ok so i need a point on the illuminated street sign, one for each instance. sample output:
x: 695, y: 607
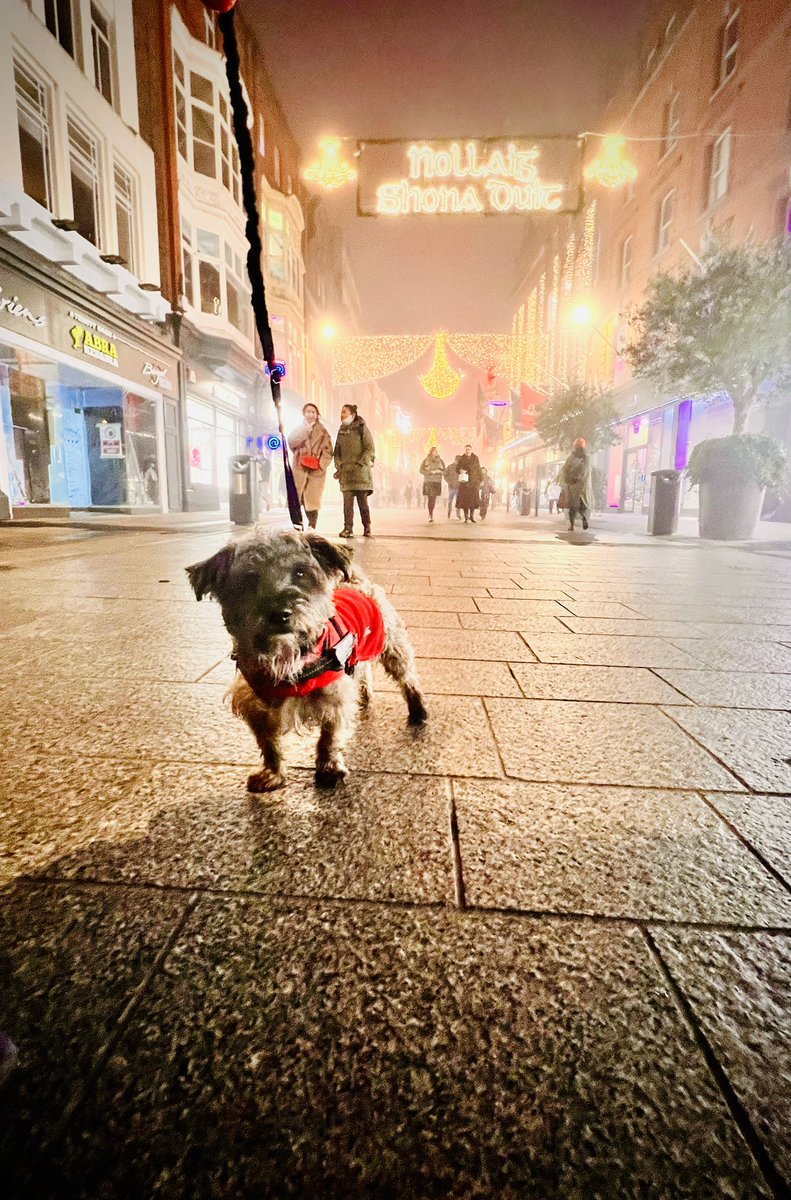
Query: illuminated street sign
x: 505, y: 176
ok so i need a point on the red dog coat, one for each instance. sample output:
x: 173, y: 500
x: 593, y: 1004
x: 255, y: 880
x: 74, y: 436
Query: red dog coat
x: 355, y: 614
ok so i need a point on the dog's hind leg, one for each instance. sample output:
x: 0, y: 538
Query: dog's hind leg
x: 265, y: 723
x: 336, y: 713
x: 398, y: 659
x: 366, y: 677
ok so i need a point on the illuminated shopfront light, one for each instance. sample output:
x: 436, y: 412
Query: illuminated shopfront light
x: 330, y: 170
x: 611, y: 168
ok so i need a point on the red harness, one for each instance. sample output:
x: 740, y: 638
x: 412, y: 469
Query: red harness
x: 356, y: 633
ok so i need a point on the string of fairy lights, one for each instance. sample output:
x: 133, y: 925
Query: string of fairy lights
x: 363, y: 359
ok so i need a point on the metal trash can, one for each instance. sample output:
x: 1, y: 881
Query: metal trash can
x: 242, y: 489
x: 527, y: 502
x: 664, y: 502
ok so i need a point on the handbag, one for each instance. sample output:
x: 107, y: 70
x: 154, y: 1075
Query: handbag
x: 309, y: 461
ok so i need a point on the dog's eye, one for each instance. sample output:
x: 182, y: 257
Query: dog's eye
x: 299, y: 573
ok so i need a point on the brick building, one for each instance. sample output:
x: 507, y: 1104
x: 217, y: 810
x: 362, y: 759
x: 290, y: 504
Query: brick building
x: 707, y: 109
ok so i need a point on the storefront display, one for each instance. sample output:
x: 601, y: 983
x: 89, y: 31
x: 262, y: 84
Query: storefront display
x: 80, y: 402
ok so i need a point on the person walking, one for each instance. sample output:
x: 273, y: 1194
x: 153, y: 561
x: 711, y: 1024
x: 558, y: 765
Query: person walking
x: 469, y: 468
x: 452, y: 480
x: 409, y: 495
x: 354, y: 455
x: 312, y: 448
x: 432, y: 469
x: 487, y: 490
x: 552, y: 493
x: 575, y: 477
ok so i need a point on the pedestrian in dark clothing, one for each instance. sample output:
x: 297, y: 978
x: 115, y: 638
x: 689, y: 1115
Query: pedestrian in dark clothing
x: 354, y: 456
x: 487, y: 490
x: 432, y: 469
x: 469, y: 468
x: 409, y: 495
x: 575, y: 476
x: 452, y: 480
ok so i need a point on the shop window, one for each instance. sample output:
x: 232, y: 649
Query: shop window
x: 728, y: 49
x: 181, y: 107
x: 664, y: 224
x: 59, y: 19
x: 720, y: 168
x: 210, y: 289
x: 276, y: 257
x: 670, y: 124
x: 102, y: 47
x: 84, y: 165
x: 32, y: 101
x: 126, y: 215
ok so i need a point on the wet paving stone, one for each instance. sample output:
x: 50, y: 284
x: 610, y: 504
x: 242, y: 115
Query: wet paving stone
x: 129, y: 658
x: 451, y: 604
x: 599, y: 609
x: 628, y: 685
x: 510, y: 623
x: 457, y: 677
x: 521, y: 608
x: 569, y: 742
x: 738, y: 986
x: 457, y: 739
x: 50, y: 806
x: 477, y: 645
x: 755, y: 745
x: 619, y: 852
x: 309, y: 1052
x: 737, y: 655
x: 608, y: 651
x: 375, y: 838
x: 765, y: 821
x: 70, y: 960
x: 635, y: 627
x: 739, y: 689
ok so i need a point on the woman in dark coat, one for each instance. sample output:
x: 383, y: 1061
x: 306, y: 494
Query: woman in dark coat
x: 469, y: 468
x: 432, y: 469
x: 575, y: 477
x: 355, y: 454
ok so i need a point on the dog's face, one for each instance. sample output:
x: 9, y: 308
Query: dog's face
x: 275, y: 591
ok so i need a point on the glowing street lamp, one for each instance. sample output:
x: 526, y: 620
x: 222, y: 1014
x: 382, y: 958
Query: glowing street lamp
x: 330, y: 171
x: 611, y: 169
x: 582, y: 314
x: 328, y: 331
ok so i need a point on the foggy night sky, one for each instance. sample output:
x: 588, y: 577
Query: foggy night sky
x: 439, y: 68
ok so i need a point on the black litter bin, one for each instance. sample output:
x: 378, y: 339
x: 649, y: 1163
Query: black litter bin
x: 664, y: 503
x: 242, y: 489
x: 527, y: 502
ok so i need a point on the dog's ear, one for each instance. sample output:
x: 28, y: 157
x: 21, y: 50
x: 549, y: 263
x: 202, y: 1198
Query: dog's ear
x: 333, y: 560
x: 207, y: 578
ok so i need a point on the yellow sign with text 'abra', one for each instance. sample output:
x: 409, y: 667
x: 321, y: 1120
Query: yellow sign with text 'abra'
x: 94, y: 345
x: 496, y: 176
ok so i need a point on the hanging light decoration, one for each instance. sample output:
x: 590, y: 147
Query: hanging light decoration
x: 611, y: 168
x: 330, y: 171
x: 441, y: 381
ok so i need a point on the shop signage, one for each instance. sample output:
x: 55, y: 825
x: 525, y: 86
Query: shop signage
x: 110, y: 440
x: 94, y: 345
x: 15, y: 308
x: 158, y: 376
x: 507, y: 176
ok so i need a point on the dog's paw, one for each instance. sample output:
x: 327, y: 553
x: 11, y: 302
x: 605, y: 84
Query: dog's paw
x: 329, y: 775
x: 265, y: 781
x: 418, y: 713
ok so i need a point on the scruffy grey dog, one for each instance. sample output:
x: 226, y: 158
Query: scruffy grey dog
x: 282, y: 595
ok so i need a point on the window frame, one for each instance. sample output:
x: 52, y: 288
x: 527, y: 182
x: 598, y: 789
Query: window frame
x: 720, y: 166
x: 52, y: 20
x: 41, y: 117
x: 663, y: 241
x: 128, y: 204
x: 106, y: 37
x: 728, y: 54
x: 93, y: 163
x: 670, y: 124
x: 626, y: 260
x: 226, y: 165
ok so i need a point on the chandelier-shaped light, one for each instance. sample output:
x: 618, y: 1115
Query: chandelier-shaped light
x: 611, y: 168
x: 441, y: 381
x: 330, y: 171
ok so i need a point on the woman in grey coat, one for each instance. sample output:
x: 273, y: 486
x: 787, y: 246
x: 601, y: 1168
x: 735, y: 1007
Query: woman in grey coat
x: 355, y: 455
x: 312, y: 447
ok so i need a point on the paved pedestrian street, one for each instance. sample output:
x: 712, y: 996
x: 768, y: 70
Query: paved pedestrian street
x: 539, y: 949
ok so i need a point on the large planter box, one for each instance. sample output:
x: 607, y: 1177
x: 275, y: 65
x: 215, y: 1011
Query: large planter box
x: 729, y: 509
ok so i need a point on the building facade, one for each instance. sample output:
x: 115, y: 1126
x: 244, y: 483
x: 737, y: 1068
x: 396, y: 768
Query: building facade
x: 88, y: 384
x: 707, y: 109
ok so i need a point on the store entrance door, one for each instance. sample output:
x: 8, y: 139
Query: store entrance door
x: 634, y: 479
x: 31, y: 434
x: 172, y: 456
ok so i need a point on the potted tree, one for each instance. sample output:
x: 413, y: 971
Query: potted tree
x: 724, y: 327
x: 581, y: 411
x: 733, y: 474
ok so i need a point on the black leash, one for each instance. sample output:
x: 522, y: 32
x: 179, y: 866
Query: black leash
x: 244, y: 142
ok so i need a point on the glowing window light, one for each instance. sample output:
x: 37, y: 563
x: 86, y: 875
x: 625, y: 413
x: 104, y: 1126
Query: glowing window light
x: 611, y: 169
x: 330, y: 171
